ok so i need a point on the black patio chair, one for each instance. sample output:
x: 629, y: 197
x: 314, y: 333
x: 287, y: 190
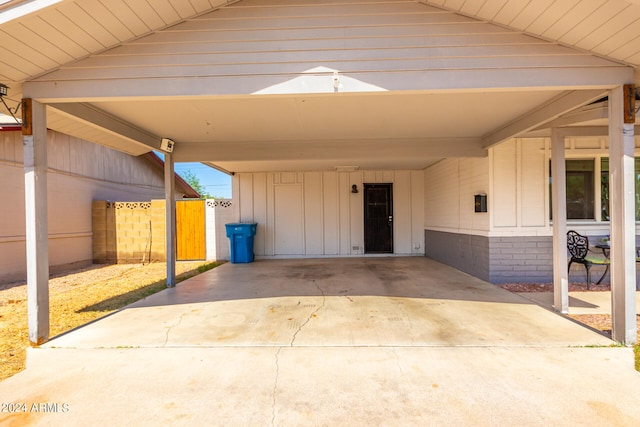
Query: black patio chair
x: 578, y: 246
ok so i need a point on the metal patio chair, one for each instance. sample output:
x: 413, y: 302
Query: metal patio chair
x: 578, y: 246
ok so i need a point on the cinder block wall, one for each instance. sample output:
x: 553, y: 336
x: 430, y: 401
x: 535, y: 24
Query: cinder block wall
x: 123, y: 232
x: 158, y: 230
x: 465, y: 252
x: 521, y: 259
x: 517, y: 259
x: 135, y: 232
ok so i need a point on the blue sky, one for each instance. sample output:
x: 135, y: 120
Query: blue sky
x: 216, y: 183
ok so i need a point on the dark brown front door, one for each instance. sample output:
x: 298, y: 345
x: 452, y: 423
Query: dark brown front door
x: 378, y: 218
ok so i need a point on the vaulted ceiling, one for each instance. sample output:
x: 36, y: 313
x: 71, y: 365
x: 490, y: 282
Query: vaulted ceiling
x: 401, y: 69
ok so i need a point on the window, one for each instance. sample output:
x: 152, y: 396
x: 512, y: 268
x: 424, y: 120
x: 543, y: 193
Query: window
x: 582, y: 182
x: 604, y: 185
x: 580, y: 189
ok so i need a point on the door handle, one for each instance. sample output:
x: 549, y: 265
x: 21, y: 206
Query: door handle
x: 390, y: 218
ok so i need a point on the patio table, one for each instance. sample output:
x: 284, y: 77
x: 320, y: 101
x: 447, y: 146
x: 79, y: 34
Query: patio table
x: 606, y: 251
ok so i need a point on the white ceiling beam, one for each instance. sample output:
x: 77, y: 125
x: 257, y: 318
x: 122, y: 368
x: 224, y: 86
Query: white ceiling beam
x: 585, y: 114
x: 327, y: 150
x: 94, y: 117
x: 575, y: 132
x: 545, y: 113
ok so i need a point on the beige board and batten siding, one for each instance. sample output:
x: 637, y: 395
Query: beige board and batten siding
x: 449, y: 189
x: 316, y: 214
x: 520, y: 185
x: 79, y: 172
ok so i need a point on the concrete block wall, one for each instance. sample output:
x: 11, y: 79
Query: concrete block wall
x: 521, y: 259
x: 468, y: 253
x: 217, y: 214
x: 158, y: 230
x: 494, y: 259
x: 514, y: 259
x: 135, y: 232
x: 122, y: 232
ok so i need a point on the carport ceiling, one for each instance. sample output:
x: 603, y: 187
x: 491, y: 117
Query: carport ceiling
x: 229, y: 129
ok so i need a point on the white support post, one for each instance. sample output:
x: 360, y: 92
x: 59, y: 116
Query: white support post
x: 559, y: 203
x: 37, y: 233
x: 622, y: 206
x: 170, y: 215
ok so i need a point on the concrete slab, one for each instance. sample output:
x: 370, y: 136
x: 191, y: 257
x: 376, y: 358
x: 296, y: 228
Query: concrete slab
x: 579, y: 302
x: 337, y: 302
x: 327, y: 386
x: 360, y: 341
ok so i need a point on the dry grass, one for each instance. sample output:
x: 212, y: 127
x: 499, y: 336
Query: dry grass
x: 77, y: 298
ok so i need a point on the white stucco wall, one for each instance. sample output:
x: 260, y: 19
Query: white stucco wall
x: 315, y: 213
x: 449, y: 189
x: 79, y: 172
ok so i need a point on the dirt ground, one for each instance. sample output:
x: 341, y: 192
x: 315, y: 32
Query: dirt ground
x: 76, y: 298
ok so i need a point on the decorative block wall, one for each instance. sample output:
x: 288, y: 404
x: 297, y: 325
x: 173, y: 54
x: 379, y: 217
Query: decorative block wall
x: 123, y: 232
x: 135, y: 232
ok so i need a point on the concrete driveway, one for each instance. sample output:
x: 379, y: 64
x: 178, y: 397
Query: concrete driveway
x: 357, y: 341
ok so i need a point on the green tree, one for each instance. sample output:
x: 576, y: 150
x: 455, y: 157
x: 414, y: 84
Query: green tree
x: 194, y: 182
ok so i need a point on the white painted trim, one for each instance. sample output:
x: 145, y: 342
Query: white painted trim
x: 36, y: 212
x: 559, y: 203
x: 622, y: 207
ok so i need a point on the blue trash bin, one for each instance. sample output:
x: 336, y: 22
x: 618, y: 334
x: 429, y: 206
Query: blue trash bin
x: 241, y: 238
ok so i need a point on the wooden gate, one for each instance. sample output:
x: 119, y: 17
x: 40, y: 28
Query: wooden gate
x: 190, y: 230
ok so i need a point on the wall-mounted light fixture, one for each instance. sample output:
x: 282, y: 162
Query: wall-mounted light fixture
x: 4, y: 89
x: 354, y: 189
x: 480, y: 202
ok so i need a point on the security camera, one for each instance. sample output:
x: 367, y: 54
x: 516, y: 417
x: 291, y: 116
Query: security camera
x: 167, y: 145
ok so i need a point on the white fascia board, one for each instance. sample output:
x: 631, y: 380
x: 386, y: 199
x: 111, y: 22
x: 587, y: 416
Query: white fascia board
x: 24, y: 9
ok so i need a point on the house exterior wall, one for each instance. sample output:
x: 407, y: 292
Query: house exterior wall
x: 79, y: 172
x: 454, y: 233
x: 315, y: 213
x: 513, y: 241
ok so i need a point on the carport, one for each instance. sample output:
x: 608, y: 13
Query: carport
x: 251, y: 86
